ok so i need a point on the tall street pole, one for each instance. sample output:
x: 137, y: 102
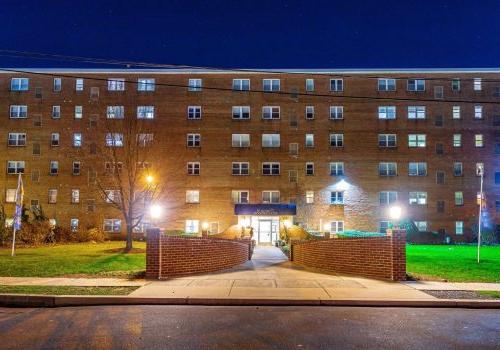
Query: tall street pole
x: 481, y: 171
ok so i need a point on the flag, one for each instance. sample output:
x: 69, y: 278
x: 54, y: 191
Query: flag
x: 19, y: 203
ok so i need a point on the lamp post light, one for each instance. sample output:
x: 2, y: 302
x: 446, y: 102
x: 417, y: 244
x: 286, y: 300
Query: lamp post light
x: 480, y: 172
x: 150, y: 179
x: 204, y: 229
x: 395, y: 214
x: 155, y: 212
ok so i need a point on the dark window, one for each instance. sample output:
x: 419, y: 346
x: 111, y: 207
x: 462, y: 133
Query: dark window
x: 36, y: 149
x: 439, y: 148
x: 294, y: 121
x: 497, y: 206
x: 440, y: 206
x: 439, y: 120
x: 37, y: 120
x: 497, y: 147
x: 38, y: 92
x: 496, y: 120
x: 440, y: 177
x: 497, y: 177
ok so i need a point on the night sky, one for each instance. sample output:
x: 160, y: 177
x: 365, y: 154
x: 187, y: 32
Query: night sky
x: 257, y: 34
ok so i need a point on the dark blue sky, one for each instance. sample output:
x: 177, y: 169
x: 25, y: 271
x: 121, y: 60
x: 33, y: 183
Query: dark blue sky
x: 258, y: 34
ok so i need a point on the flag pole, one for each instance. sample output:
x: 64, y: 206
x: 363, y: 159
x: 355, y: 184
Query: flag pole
x: 18, y: 213
x: 13, y: 242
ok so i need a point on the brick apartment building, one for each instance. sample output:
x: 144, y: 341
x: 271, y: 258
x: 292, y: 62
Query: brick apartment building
x: 330, y: 150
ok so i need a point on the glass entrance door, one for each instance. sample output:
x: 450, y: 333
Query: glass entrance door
x: 265, y: 230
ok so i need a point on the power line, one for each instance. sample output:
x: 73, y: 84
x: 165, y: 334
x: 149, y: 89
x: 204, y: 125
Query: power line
x: 57, y: 57
x: 280, y: 93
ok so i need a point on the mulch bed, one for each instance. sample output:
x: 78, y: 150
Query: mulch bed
x: 457, y: 294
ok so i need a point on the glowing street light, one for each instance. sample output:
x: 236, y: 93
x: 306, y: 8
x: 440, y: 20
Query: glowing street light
x: 395, y: 212
x: 204, y: 226
x: 150, y: 179
x: 155, y: 211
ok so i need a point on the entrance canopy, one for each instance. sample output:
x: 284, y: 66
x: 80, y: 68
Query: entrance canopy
x: 265, y: 209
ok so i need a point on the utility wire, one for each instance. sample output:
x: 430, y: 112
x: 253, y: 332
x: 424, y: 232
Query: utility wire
x: 291, y: 94
x: 128, y: 64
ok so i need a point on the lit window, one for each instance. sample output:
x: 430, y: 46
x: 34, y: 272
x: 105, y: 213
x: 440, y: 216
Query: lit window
x: 115, y: 112
x: 271, y: 112
x: 419, y: 198
x: 112, y: 225
x: 479, y: 169
x: 271, y: 84
x: 10, y: 195
x: 417, y: 169
x: 456, y: 112
x: 192, y: 226
x: 15, y: 167
x: 387, y: 140
x: 192, y: 196
x: 388, y: 197
x: 54, y: 167
x: 336, y: 84
x: 241, y: 140
x: 145, y: 112
x: 478, y: 112
x: 309, y: 140
x: 416, y: 85
x: 57, y: 84
x: 241, y: 84
x: 270, y: 168
x: 309, y: 112
x: 336, y: 168
x: 240, y: 197
x: 271, y: 140
x: 459, y: 198
x: 145, y: 84
x: 270, y: 197
x: 386, y: 84
x: 336, y: 227
x: 241, y: 112
x: 75, y: 196
x: 457, y: 140
x: 309, y: 85
x: 459, y: 227
x: 74, y: 225
x: 336, y: 140
x: 386, y: 112
x: 195, y: 84
x: 387, y: 169
x: 477, y: 84
x: 337, y: 197
x: 240, y: 168
x: 77, y: 140
x: 19, y: 84
x: 194, y: 112
x: 112, y: 196
x: 79, y: 84
x: 116, y: 84
x: 416, y: 112
x: 309, y: 197
x: 421, y: 225
x: 336, y: 112
x: 193, y: 140
x: 478, y: 140
x: 78, y: 112
x: 56, y: 112
x: 17, y: 139
x: 416, y: 140
x: 18, y: 111
x: 114, y: 139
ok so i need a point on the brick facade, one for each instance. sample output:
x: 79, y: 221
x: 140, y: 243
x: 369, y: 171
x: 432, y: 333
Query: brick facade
x: 168, y: 256
x: 374, y: 257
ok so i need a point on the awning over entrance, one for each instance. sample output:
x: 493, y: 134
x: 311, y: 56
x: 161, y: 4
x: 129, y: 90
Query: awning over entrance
x: 265, y: 209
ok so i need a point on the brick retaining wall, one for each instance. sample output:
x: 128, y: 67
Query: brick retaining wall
x: 169, y: 256
x: 374, y: 257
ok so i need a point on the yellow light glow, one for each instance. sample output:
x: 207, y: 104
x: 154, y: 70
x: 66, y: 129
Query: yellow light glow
x: 155, y: 211
x: 287, y: 223
x: 149, y: 179
x: 204, y: 226
x: 326, y: 227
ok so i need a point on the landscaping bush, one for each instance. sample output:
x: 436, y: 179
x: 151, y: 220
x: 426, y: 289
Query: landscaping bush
x: 95, y: 234
x: 63, y: 235
x: 34, y: 233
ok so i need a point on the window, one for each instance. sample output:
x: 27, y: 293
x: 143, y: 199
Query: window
x: 309, y: 197
x: 241, y: 112
x: 416, y: 140
x: 145, y: 84
x: 241, y: 140
x: 336, y: 84
x: 418, y: 198
x: 309, y: 112
x: 192, y: 196
x: 270, y: 168
x: 56, y: 112
x: 386, y: 84
x: 336, y: 168
x: 240, y: 168
x: 240, y: 197
x: 79, y: 84
x: 457, y: 169
x: 417, y: 169
x: 192, y: 226
x: 115, y: 112
x: 269, y: 197
x: 309, y: 168
x: 383, y: 226
x: 145, y: 140
x: 15, y: 167
x: 479, y: 169
x: 387, y: 169
x: 456, y: 112
x: 52, y: 196
x: 111, y: 196
x: 57, y: 84
x: 455, y: 84
x: 293, y: 149
x: 309, y: 85
x: 478, y: 112
x: 241, y: 84
x: 416, y: 85
x: 77, y: 140
x: 73, y: 225
x: 416, y: 112
x: 37, y: 120
x: 337, y: 140
x: 194, y: 112
x: 478, y: 140
x: 477, y: 84
x: 336, y: 227
x: 438, y: 92
x: 54, y: 139
x: 18, y: 111
x: 78, y: 112
x: 457, y: 140
x: 421, y: 225
x: 480, y: 199
x: 439, y: 148
x: 36, y: 149
x: 113, y: 167
x: 439, y: 120
x: 76, y: 168
x: 337, y: 197
x: 387, y: 140
x: 388, y: 197
x: 459, y: 198
x: 19, y: 84
x: 293, y: 176
x: 193, y: 140
x: 112, y: 225
x: 116, y: 84
x: 54, y: 167
x: 193, y: 168
x: 270, y: 140
x: 387, y: 112
x: 114, y: 139
x: 459, y: 227
x: 309, y: 140
x: 440, y: 177
x: 145, y: 112
x: 336, y: 112
x: 271, y: 84
x: 497, y: 177
x: 270, y: 112
x: 75, y: 196
x: 17, y: 139
x: 10, y: 195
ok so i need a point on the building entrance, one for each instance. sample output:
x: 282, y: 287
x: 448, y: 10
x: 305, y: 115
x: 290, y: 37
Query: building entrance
x: 265, y: 228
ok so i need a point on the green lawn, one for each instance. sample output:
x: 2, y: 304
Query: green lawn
x: 66, y: 290
x: 73, y: 260
x: 454, y: 263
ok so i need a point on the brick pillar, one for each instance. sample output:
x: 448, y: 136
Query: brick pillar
x: 398, y: 254
x: 153, y: 248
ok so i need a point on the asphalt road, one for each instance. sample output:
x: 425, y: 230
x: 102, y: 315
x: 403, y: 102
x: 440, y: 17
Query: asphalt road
x: 218, y: 327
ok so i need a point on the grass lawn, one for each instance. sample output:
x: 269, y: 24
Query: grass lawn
x: 454, y: 263
x: 66, y: 290
x: 103, y: 259
x: 489, y: 293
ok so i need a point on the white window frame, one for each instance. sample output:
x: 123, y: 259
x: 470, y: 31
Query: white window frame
x: 240, y: 168
x: 146, y: 84
x: 18, y: 112
x: 336, y: 112
x: 337, y: 140
x: 116, y: 84
x: 146, y: 112
x: 459, y: 227
x: 337, y: 197
x: 385, y: 167
x: 384, y: 84
x: 457, y: 140
x: 271, y: 140
x: 274, y: 197
x: 309, y: 141
x: 16, y: 139
x: 192, y: 226
x: 417, y: 198
x: 309, y: 112
x: 309, y: 166
x: 270, y: 85
x: 195, y: 84
x: 240, y: 140
x: 336, y: 226
x: 77, y: 139
x: 387, y: 197
x: 78, y: 112
x: 309, y: 197
x: 240, y: 196
x: 478, y: 86
x: 337, y: 84
x: 193, y: 196
x: 56, y: 112
x: 112, y: 225
x: 421, y: 168
x: 271, y: 168
x: 79, y: 84
x: 19, y: 84
x: 115, y: 112
x: 271, y: 112
x: 479, y: 140
x: 417, y: 140
x: 416, y: 84
x: 417, y: 112
x: 337, y: 169
x: 193, y: 168
x: 194, y: 112
x: 456, y: 114
x: 478, y: 112
x: 193, y: 140
x: 241, y: 112
x: 18, y: 166
x: 238, y: 84
x: 114, y: 139
x: 387, y: 140
x: 309, y: 85
x: 387, y: 112
x: 75, y: 196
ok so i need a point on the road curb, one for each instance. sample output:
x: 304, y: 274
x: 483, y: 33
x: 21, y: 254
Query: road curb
x: 25, y: 300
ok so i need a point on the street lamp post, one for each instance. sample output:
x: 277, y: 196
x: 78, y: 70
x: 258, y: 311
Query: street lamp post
x: 480, y: 172
x: 395, y: 214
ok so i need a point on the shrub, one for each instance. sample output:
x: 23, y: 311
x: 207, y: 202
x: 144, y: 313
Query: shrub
x: 34, y: 233
x: 63, y: 234
x: 95, y: 234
